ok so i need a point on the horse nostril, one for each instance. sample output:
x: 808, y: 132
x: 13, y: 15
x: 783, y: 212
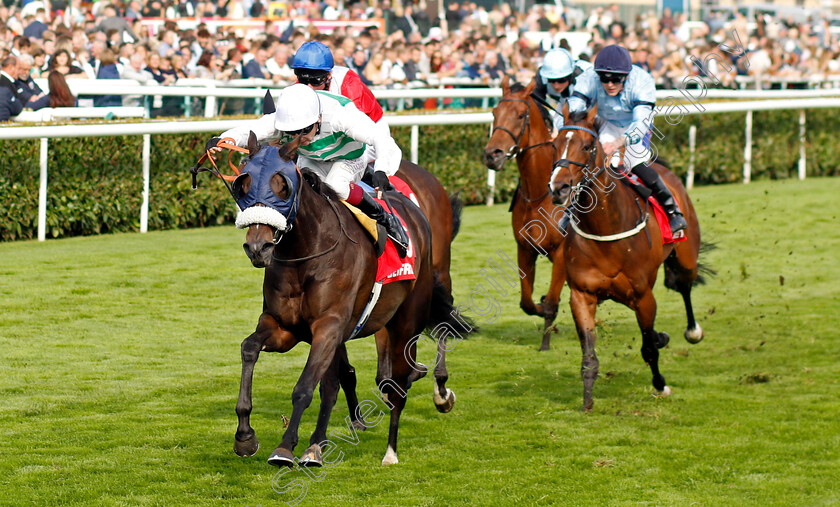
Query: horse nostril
x: 248, y: 252
x: 266, y: 247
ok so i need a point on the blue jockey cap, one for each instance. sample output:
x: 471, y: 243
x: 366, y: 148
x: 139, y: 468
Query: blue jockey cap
x: 313, y: 55
x: 261, y: 168
x: 614, y: 59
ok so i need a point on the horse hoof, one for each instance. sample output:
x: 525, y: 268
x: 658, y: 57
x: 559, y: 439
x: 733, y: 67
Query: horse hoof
x: 444, y: 405
x: 664, y: 338
x: 390, y: 457
x: 666, y: 391
x: 246, y: 448
x: 359, y: 424
x: 312, y: 457
x: 695, y: 335
x: 282, y: 458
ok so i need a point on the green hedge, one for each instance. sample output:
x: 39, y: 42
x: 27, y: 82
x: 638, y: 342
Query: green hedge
x: 95, y: 184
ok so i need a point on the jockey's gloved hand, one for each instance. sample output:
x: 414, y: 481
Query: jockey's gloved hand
x: 380, y: 181
x: 212, y: 143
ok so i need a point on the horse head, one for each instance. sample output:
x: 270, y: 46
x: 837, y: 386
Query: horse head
x: 510, y: 121
x: 267, y: 194
x: 580, y: 155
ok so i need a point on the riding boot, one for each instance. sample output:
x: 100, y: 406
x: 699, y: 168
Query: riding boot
x: 654, y: 182
x: 391, y: 223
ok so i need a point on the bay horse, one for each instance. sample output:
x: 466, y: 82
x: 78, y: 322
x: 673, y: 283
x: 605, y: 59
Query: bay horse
x: 319, y: 274
x: 521, y: 129
x: 607, y: 254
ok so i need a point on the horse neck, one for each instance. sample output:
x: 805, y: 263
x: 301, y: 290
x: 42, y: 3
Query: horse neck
x: 614, y: 210
x: 315, y: 228
x: 536, y: 163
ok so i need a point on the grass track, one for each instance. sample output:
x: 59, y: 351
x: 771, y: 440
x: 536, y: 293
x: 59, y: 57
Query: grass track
x: 120, y: 361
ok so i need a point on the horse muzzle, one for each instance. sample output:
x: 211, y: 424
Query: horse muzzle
x: 560, y: 194
x: 259, y: 252
x: 494, y: 158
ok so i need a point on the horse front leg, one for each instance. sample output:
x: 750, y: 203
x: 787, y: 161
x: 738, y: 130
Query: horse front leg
x: 651, y: 340
x: 329, y: 393
x: 583, y: 307
x: 552, y: 298
x: 526, y: 258
x: 268, y: 334
x: 326, y: 335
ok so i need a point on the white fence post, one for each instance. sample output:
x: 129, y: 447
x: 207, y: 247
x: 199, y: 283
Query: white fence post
x: 42, y: 192
x: 692, y: 141
x: 748, y: 148
x: 491, y: 179
x: 144, y: 208
x: 415, y: 144
x: 801, y: 144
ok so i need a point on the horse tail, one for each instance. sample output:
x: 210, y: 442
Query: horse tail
x: 703, y: 269
x: 457, y: 207
x: 444, y: 312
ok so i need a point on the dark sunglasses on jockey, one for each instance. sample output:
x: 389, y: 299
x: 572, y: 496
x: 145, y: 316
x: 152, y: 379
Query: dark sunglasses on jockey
x: 312, y: 79
x: 608, y: 77
x: 305, y: 130
x: 560, y: 80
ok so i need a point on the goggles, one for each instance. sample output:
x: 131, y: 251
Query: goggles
x: 305, y: 130
x: 608, y: 77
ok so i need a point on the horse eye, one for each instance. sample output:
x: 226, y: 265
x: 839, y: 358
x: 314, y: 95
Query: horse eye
x: 587, y: 147
x: 522, y: 116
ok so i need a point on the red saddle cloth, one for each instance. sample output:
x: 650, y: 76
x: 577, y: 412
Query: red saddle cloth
x: 658, y: 212
x: 391, y: 267
x: 664, y: 225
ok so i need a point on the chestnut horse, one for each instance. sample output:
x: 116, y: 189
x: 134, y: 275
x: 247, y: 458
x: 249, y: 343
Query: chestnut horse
x: 615, y: 249
x: 318, y: 249
x: 521, y: 128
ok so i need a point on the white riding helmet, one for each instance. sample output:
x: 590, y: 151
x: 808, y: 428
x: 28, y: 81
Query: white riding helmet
x: 298, y: 107
x: 557, y: 64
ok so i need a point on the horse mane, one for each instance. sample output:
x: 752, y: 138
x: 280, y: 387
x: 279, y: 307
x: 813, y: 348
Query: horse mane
x: 546, y: 116
x: 318, y: 185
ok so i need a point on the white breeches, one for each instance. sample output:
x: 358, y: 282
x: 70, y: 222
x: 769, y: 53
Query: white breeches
x: 338, y: 174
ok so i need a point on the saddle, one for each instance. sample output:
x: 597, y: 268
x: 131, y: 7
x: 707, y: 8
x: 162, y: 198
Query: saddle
x: 634, y: 182
x: 390, y: 267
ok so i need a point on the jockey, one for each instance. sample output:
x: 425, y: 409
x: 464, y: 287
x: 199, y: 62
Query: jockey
x: 625, y: 95
x: 333, y: 135
x: 557, y: 79
x: 314, y: 66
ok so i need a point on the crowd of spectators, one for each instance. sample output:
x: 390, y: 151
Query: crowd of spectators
x: 110, y: 41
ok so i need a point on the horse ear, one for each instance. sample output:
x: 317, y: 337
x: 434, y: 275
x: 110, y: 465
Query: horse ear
x: 253, y: 147
x: 566, y: 113
x: 590, y: 118
x: 531, y: 86
x: 268, y: 103
x: 506, y: 85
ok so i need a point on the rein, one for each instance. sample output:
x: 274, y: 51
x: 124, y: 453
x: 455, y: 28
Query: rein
x: 313, y: 256
x: 586, y: 181
x: 228, y: 144
x: 515, y: 150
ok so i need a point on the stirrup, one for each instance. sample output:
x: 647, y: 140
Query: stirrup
x: 677, y: 223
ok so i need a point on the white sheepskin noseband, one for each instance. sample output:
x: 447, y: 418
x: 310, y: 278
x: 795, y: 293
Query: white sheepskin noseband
x: 261, y: 215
